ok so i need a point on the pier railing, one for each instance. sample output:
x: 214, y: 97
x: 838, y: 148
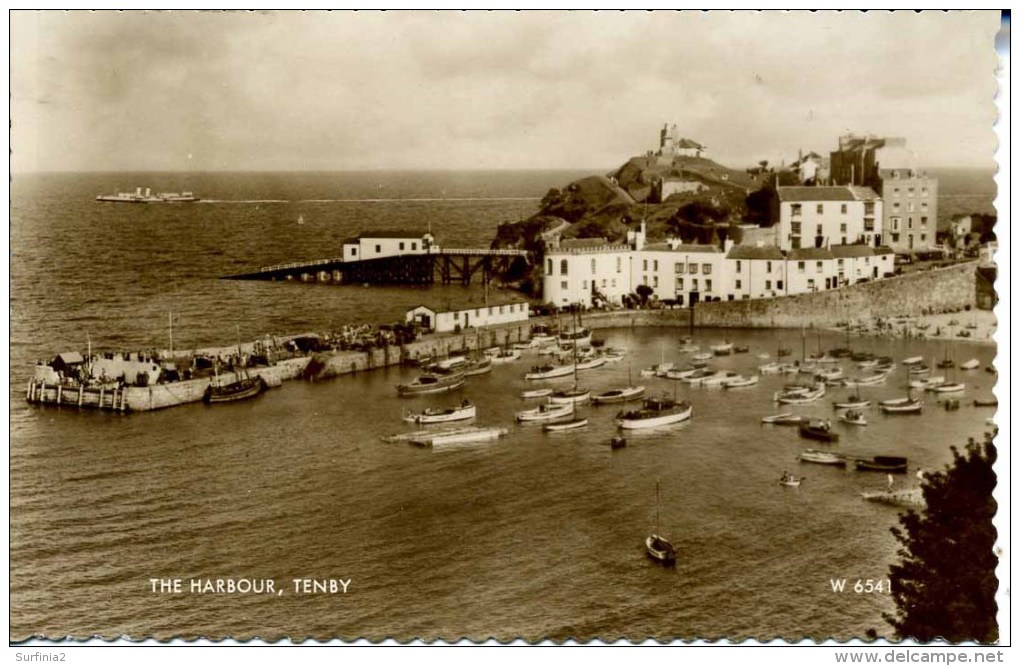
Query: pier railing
x: 461, y: 252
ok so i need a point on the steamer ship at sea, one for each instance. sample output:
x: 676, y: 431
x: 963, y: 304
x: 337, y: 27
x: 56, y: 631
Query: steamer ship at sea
x: 148, y: 197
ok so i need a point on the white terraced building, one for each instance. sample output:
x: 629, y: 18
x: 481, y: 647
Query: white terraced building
x: 825, y: 216
x: 590, y: 272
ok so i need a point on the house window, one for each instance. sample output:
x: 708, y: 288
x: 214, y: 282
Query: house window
x: 842, y: 209
x: 614, y: 282
x: 563, y: 266
x: 910, y: 223
x: 414, y: 246
x: 795, y: 210
x: 584, y: 285
x: 896, y: 190
x: 768, y: 266
x: 680, y: 268
x: 896, y: 205
x: 378, y: 249
x: 795, y: 242
x: 910, y: 191
x: 924, y: 206
x: 738, y: 265
x: 548, y: 266
x: 618, y: 264
x: 768, y: 285
x: 737, y: 284
x: 456, y: 316
x: 869, y: 208
x: 811, y: 285
x: 655, y: 265
x: 655, y: 281
x: 800, y: 266
x: 354, y: 251
x: 680, y: 284
x: 795, y: 228
x: 842, y: 228
x: 818, y: 267
x: 692, y: 269
x: 644, y: 265
x: 593, y: 266
x: 401, y: 246
x: 820, y: 208
x: 923, y: 236
x: 706, y: 269
x: 694, y: 284
x: 563, y: 285
x: 779, y: 284
x: 603, y: 283
x: 869, y: 224
x: 708, y: 285
x: 924, y: 191
x: 818, y: 230
x: 924, y: 221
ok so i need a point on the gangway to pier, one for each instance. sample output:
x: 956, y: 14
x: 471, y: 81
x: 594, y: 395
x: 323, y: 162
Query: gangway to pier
x: 446, y: 266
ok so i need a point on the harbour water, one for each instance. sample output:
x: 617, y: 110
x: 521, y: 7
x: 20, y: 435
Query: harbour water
x: 535, y: 536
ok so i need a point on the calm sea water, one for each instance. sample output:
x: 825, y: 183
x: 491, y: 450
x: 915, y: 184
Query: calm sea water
x: 534, y: 536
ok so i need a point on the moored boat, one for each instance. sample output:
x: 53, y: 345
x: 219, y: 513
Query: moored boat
x: 821, y: 432
x: 505, y: 356
x: 549, y: 371
x: 476, y: 367
x: 887, y: 464
x: 573, y: 424
x: 459, y: 436
x: 432, y: 383
x: 970, y: 365
x: 657, y: 546
x: 536, y: 393
x: 577, y: 338
x: 790, y: 480
x: 786, y: 418
x: 241, y: 389
x: 954, y: 387
x: 462, y: 412
x: 719, y: 378
x: 853, y: 417
x: 545, y: 413
x: 574, y: 396
x: 913, y: 360
x: 926, y: 384
x: 770, y: 368
x: 740, y: 381
x: 802, y: 398
x: 822, y: 458
x: 619, y: 395
x: 901, y: 406
x: 989, y: 402
x: 594, y: 362
x: 653, y: 413
x: 724, y: 348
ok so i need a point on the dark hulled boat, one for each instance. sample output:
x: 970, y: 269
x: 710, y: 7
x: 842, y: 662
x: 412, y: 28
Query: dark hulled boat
x: 242, y: 389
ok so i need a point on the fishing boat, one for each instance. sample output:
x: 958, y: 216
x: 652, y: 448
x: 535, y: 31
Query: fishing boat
x: 458, y: 436
x: 790, y: 480
x: 724, y: 348
x: 545, y: 413
x: 573, y: 396
x: 786, y: 418
x: 954, y: 387
x: 789, y: 368
x: 505, y: 356
x: 657, y: 546
x: 822, y: 458
x: 908, y: 498
x: 829, y: 373
x: 870, y: 363
x: 852, y: 402
x: 536, y: 393
x: 619, y: 395
x: 853, y: 417
x: 241, y: 389
x: 476, y: 367
x: 901, y: 406
x: 740, y: 381
x: 866, y: 380
x: 919, y: 369
x: 741, y: 349
x: 989, y: 402
x: 926, y: 384
x: 577, y: 338
x: 449, y: 363
x: 573, y: 424
x: 887, y: 464
x: 611, y: 355
x: 770, y: 368
x: 654, y: 412
x: 594, y: 362
x: 803, y: 398
x: 549, y: 371
x: 687, y: 346
x: 702, y: 357
x: 434, y: 382
x: 718, y: 378
x: 913, y: 360
x: 820, y: 431
x: 972, y: 364
x: 462, y: 412
x: 678, y: 374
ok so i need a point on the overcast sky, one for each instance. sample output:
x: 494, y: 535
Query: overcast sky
x: 334, y: 91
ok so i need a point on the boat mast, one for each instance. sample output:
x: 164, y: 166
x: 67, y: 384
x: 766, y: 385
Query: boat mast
x: 170, y: 316
x: 656, y: 507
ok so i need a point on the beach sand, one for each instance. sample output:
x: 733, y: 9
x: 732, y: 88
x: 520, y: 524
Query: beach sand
x: 973, y: 326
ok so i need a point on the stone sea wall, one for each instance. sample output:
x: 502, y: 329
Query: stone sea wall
x: 939, y: 290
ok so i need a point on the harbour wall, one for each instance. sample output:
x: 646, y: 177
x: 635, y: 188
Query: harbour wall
x: 938, y: 290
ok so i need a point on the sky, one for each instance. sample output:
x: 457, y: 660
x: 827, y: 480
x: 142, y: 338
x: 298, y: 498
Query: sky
x: 266, y: 90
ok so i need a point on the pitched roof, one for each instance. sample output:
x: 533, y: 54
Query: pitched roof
x: 809, y: 253
x: 842, y: 251
x: 469, y: 303
x: 689, y: 143
x: 394, y: 233
x: 754, y: 252
x: 864, y: 193
x: 808, y: 193
x: 582, y: 243
x: 884, y: 249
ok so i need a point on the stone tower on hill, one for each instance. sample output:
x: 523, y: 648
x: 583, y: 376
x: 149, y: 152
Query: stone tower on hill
x: 671, y: 144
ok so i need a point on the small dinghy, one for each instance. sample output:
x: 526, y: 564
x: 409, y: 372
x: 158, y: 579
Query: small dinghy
x: 619, y: 395
x: 617, y: 442
x: 536, y: 393
x: 901, y: 406
x: 821, y: 432
x: 991, y: 402
x: 466, y: 410
x: 791, y: 481
x: 740, y: 381
x: 972, y: 364
x: 545, y: 413
x: 853, y: 417
x: 566, y: 425
x: 913, y: 360
x: 786, y: 418
x: 822, y: 458
x: 955, y: 387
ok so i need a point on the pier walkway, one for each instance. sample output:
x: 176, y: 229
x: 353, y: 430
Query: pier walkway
x: 447, y: 266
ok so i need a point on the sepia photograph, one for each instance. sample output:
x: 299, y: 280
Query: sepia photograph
x: 532, y: 326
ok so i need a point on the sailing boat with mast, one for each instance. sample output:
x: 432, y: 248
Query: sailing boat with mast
x: 657, y: 546
x: 630, y: 392
x: 571, y: 396
x: 243, y: 387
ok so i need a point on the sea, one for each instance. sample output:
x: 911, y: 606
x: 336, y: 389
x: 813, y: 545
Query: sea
x: 535, y: 537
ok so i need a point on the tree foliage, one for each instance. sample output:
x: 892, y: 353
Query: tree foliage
x: 944, y: 585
